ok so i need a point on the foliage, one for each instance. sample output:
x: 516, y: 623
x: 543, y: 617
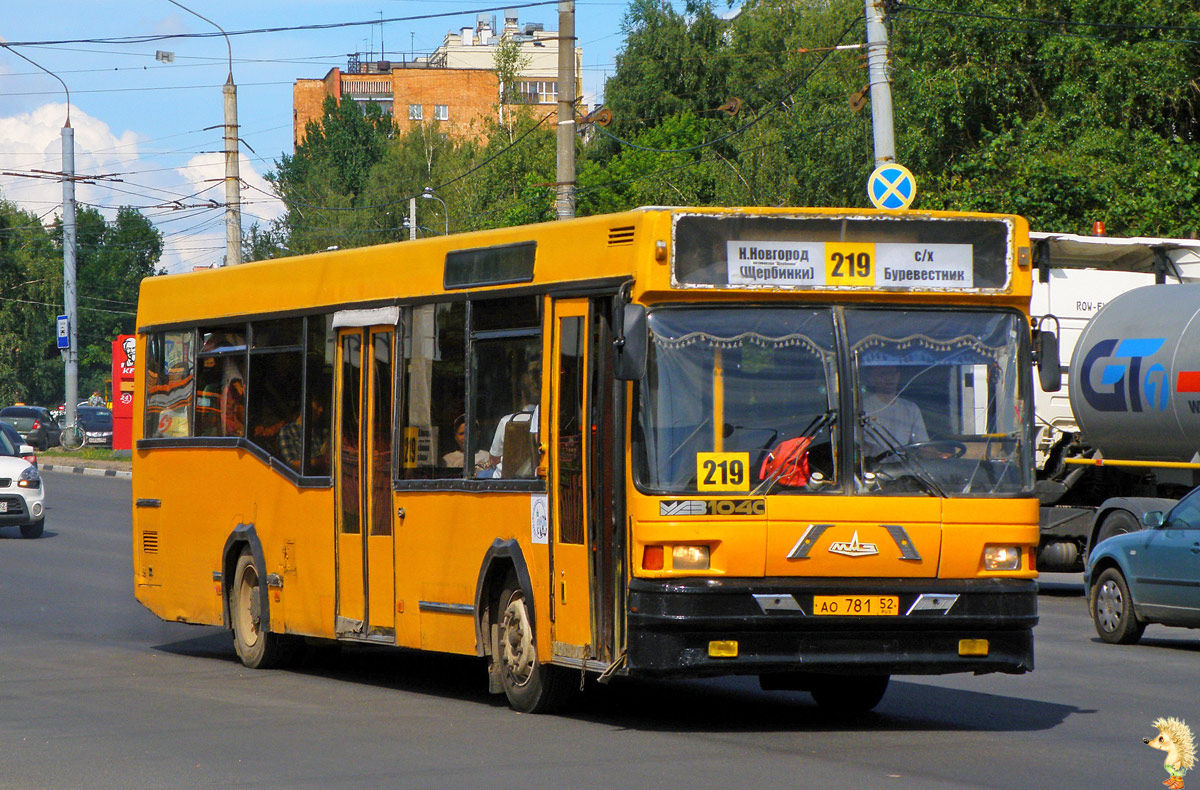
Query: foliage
x: 112, y: 257
x: 1066, y: 111
x: 323, y: 181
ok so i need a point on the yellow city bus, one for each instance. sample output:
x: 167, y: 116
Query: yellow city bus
x: 671, y: 442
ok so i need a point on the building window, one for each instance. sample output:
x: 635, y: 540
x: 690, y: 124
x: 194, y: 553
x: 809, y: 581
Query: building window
x: 415, y: 112
x: 441, y: 112
x: 538, y: 91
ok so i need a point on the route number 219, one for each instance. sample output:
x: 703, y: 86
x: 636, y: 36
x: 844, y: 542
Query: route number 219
x: 722, y: 471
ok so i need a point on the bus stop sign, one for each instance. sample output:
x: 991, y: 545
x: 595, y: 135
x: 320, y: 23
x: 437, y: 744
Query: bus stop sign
x: 892, y: 187
x: 64, y: 332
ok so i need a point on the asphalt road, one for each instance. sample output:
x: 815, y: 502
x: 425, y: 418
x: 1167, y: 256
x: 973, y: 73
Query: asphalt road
x: 95, y: 692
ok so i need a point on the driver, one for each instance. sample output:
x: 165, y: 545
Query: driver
x: 897, y: 417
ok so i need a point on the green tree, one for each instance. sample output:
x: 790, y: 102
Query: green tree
x: 673, y: 64
x: 321, y: 184
x: 30, y: 295
x: 112, y: 258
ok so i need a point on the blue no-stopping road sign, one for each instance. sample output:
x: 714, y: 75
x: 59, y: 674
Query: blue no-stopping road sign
x: 892, y: 187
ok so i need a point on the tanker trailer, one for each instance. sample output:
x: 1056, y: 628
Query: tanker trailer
x: 1135, y: 392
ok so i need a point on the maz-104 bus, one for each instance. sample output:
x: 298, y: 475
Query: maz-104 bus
x: 672, y: 442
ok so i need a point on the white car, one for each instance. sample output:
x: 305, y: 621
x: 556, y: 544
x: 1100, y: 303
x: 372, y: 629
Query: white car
x: 22, y: 496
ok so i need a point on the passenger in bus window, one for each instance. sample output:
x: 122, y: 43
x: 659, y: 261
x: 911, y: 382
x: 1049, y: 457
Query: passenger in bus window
x: 291, y: 441
x: 898, y: 418
x: 454, y: 458
x: 530, y: 389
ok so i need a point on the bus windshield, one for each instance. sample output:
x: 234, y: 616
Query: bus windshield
x: 729, y: 385
x: 940, y: 408
x: 746, y: 400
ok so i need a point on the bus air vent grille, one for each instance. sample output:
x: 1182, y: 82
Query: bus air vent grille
x: 150, y: 542
x: 620, y: 237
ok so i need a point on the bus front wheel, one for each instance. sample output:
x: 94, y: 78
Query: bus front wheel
x: 256, y: 647
x: 531, y: 687
x: 848, y: 695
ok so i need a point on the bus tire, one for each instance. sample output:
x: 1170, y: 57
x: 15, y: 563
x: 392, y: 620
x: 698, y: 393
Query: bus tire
x: 258, y: 649
x: 531, y: 687
x: 849, y: 695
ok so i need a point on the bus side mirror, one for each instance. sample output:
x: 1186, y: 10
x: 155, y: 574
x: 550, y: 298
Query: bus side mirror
x: 629, y: 348
x: 1049, y: 367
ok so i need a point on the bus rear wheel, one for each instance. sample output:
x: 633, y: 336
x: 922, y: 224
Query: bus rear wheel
x: 256, y: 647
x: 531, y: 687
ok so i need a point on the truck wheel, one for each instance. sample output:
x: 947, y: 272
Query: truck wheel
x: 530, y: 686
x: 258, y: 649
x: 1118, y: 522
x: 848, y: 695
x: 1112, y: 610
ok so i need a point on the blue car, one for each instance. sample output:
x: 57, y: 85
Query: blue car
x: 1148, y: 576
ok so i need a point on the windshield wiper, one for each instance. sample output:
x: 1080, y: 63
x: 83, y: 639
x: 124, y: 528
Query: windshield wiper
x: 895, y: 448
x: 818, y: 423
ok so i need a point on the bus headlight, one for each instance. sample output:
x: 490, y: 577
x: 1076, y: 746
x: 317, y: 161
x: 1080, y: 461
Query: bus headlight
x: 1001, y: 558
x: 689, y: 558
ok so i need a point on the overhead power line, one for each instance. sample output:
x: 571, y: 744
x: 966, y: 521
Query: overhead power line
x: 282, y: 29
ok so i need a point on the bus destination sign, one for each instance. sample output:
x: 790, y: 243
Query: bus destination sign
x: 878, y: 265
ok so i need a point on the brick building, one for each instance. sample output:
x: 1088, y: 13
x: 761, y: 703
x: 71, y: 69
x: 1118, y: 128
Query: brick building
x: 455, y: 89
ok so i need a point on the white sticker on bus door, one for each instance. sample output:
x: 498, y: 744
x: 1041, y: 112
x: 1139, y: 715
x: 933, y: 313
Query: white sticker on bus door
x: 539, y: 519
x: 775, y: 263
x: 924, y: 265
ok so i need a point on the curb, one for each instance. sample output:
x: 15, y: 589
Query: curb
x: 92, y: 471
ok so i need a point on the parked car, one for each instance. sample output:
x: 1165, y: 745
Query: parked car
x: 22, y: 494
x: 1148, y: 576
x: 35, y: 425
x: 97, y: 425
x: 22, y: 449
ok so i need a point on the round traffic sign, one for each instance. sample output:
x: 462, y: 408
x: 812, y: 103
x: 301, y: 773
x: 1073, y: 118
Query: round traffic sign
x: 892, y: 187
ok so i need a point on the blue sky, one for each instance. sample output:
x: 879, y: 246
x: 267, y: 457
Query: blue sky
x: 152, y: 124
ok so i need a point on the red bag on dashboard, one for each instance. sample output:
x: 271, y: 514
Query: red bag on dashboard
x: 787, y: 464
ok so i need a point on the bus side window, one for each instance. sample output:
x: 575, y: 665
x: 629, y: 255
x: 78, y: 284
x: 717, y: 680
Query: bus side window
x: 433, y: 391
x: 220, y: 382
x: 170, y: 384
x: 507, y: 370
x: 274, y: 392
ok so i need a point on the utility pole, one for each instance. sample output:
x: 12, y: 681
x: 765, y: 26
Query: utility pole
x: 564, y: 202
x: 233, y: 181
x: 412, y: 219
x: 71, y: 354
x: 881, y: 89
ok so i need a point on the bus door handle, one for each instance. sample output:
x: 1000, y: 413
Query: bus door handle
x: 400, y: 512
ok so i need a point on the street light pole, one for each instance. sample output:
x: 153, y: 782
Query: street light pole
x: 428, y: 195
x: 70, y: 308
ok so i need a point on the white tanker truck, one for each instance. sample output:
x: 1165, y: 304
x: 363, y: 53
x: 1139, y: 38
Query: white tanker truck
x: 1123, y: 436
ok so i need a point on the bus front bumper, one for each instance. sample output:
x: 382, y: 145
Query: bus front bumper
x: 688, y: 627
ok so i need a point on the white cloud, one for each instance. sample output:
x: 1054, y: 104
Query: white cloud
x: 185, y: 202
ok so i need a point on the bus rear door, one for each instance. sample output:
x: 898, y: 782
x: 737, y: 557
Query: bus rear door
x: 365, y: 559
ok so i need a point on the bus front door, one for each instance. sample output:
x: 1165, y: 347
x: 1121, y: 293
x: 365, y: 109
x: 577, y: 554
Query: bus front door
x: 366, y: 575
x: 569, y: 453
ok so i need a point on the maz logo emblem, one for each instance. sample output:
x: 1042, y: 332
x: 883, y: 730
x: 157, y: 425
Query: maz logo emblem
x: 853, y: 548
